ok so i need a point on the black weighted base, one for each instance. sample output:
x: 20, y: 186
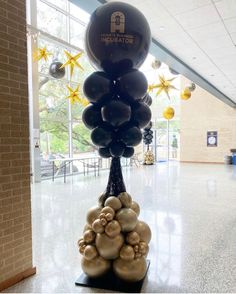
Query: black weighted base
x: 111, y: 282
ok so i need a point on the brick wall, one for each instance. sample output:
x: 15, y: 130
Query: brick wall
x: 15, y: 206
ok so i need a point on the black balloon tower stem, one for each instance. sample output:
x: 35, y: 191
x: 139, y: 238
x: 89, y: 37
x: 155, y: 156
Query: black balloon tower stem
x: 115, y: 184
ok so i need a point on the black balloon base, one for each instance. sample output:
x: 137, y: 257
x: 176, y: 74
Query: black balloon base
x: 111, y: 282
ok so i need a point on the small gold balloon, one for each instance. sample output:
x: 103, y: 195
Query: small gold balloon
x: 185, y: 94
x: 168, y: 112
x: 113, y: 229
x: 109, y: 248
x: 95, y: 267
x: 107, y: 210
x: 132, y: 238
x: 125, y: 199
x: 127, y: 252
x: 130, y: 270
x: 80, y: 242
x: 102, y: 199
x: 109, y: 217
x: 135, y: 207
x: 97, y: 226
x: 103, y: 221
x: 144, y: 231
x: 87, y: 227
x: 81, y: 249
x: 127, y: 219
x: 92, y: 214
x: 89, y: 236
x: 90, y: 252
x: 156, y: 64
x: 113, y: 202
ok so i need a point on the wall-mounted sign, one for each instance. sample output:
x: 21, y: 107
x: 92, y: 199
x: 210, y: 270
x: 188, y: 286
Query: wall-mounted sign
x: 212, y: 139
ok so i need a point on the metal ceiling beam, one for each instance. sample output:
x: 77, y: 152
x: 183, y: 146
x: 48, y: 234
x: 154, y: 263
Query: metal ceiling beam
x: 166, y: 56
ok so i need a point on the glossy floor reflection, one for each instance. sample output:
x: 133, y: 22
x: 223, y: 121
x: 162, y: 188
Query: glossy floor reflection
x: 191, y: 209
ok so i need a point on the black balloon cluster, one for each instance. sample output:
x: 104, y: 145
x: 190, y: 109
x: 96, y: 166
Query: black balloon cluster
x: 117, y: 111
x: 117, y: 43
x: 148, y: 134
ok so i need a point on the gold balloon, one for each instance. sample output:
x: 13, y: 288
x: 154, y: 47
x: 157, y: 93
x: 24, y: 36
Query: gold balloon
x: 168, y: 112
x: 144, y: 231
x: 102, y: 199
x: 127, y: 252
x: 113, y: 229
x: 89, y: 236
x: 125, y: 199
x: 127, y: 219
x: 90, y: 252
x: 135, y: 207
x: 131, y: 271
x: 108, y: 210
x: 185, y: 94
x: 97, y: 226
x: 95, y: 267
x: 87, y: 227
x: 132, y: 238
x: 113, y: 202
x: 109, y: 248
x: 92, y: 214
x: 156, y: 64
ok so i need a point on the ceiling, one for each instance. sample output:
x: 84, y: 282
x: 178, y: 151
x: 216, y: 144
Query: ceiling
x: 201, y: 33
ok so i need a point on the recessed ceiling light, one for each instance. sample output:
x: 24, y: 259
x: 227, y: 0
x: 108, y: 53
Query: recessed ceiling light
x: 212, y: 75
x: 161, y: 28
x: 194, y: 57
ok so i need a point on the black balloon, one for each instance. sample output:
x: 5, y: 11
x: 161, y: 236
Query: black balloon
x: 104, y: 152
x: 56, y: 71
x: 117, y: 149
x: 116, y: 113
x: 141, y: 114
x: 149, y: 126
x: 91, y: 117
x: 131, y: 136
x: 133, y: 84
x: 129, y: 152
x: 101, y: 136
x: 97, y: 86
x: 147, y: 99
x: 117, y: 37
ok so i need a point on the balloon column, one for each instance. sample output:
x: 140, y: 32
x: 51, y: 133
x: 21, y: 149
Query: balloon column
x: 117, y: 43
x: 147, y: 139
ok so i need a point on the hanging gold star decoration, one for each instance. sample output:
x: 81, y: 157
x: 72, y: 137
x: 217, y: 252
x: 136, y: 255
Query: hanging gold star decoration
x: 75, y: 97
x: 41, y: 53
x: 72, y: 61
x: 164, y: 85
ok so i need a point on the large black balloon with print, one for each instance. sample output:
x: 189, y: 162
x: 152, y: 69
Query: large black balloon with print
x: 117, y: 38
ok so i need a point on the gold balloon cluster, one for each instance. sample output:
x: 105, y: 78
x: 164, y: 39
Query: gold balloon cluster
x: 115, y: 239
x: 148, y: 158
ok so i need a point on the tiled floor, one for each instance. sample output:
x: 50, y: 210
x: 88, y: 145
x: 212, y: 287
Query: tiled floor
x: 191, y: 209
